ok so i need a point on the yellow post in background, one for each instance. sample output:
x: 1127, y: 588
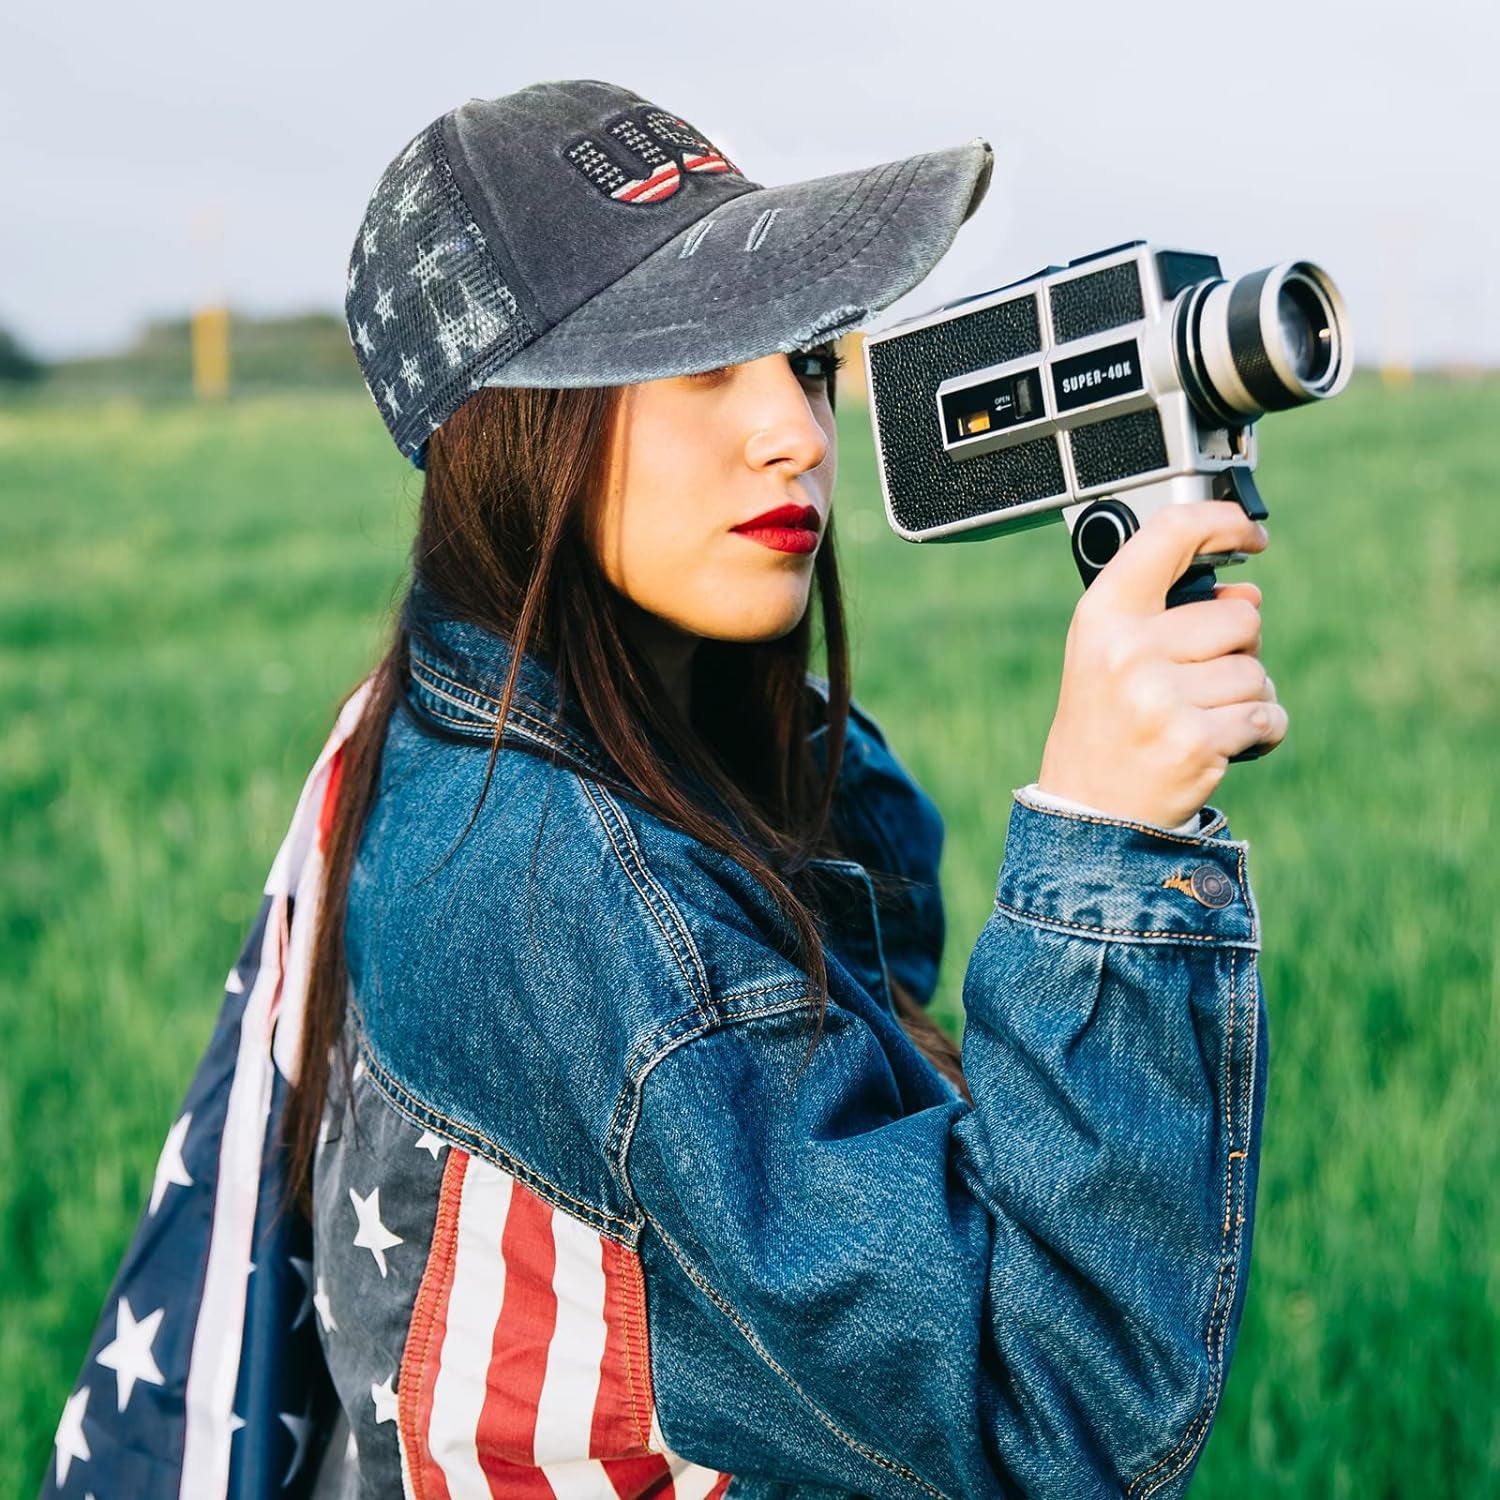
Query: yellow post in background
x: 210, y: 322
x: 1398, y: 266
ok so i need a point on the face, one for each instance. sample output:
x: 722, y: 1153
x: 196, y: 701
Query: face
x: 693, y: 460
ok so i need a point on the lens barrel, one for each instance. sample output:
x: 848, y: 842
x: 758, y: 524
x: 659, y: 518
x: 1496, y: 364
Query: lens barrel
x: 1270, y: 340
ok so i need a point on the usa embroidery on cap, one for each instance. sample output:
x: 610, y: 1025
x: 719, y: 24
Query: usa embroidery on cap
x: 661, y: 144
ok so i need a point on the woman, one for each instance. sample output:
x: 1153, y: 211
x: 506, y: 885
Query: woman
x: 633, y: 1162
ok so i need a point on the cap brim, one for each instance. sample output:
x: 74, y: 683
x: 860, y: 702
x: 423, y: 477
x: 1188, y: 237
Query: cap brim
x: 770, y: 271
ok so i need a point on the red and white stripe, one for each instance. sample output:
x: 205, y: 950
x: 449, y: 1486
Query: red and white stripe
x: 272, y: 1015
x: 662, y: 183
x: 710, y: 162
x: 526, y: 1369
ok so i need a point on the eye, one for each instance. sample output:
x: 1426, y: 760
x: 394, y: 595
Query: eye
x: 708, y: 377
x: 819, y: 364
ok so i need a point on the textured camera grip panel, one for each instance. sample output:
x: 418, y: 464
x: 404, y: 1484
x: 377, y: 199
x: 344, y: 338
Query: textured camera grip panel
x: 1105, y: 299
x: 927, y: 488
x: 1119, y: 448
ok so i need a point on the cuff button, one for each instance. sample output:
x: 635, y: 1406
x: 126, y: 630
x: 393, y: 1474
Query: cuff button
x: 1211, y: 886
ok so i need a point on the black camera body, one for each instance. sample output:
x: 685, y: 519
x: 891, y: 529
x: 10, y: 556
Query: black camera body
x: 1097, y: 392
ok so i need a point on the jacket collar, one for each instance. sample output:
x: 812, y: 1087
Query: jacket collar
x: 456, y: 678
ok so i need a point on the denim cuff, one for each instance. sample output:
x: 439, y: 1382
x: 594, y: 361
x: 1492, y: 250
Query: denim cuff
x: 1114, y: 878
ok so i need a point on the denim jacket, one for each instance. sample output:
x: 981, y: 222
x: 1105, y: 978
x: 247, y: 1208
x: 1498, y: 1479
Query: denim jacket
x: 593, y: 1221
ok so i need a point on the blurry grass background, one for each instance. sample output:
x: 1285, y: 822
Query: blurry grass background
x: 186, y: 593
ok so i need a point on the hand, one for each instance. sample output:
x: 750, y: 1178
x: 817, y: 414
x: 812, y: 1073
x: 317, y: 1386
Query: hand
x: 1154, y: 701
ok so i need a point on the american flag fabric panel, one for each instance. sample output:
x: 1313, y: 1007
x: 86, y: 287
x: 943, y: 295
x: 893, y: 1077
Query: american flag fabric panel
x: 483, y: 1341
x: 438, y: 1332
x: 204, y: 1376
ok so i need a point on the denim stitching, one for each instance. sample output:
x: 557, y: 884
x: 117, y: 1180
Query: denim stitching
x: 537, y: 730
x: 632, y: 1092
x: 803, y: 1000
x: 481, y: 700
x: 637, y: 1335
x: 1213, y: 1345
x: 705, y: 999
x: 727, y: 1308
x: 520, y: 703
x: 464, y: 694
x: 1160, y: 833
x: 688, y: 1026
x: 413, y: 1364
x: 524, y: 731
x: 645, y: 869
x: 1185, y: 937
x: 474, y: 1141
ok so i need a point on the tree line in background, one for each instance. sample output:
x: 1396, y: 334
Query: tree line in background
x: 305, y: 349
x: 18, y: 365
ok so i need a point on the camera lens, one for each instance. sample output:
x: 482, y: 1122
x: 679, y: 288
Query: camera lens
x: 1273, y: 339
x: 1306, y: 329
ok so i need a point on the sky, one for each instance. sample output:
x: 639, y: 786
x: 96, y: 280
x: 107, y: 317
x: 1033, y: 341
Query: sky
x: 1360, y: 136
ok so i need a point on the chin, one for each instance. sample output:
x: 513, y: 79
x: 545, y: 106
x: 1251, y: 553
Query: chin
x: 754, y: 619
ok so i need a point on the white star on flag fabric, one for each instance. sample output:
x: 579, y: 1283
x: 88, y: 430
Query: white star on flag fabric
x: 373, y: 1235
x: 70, y: 1441
x: 223, y: 1352
x: 325, y: 1309
x: 431, y: 1143
x: 299, y: 1427
x: 384, y: 1398
x: 170, y: 1171
x: 129, y: 1356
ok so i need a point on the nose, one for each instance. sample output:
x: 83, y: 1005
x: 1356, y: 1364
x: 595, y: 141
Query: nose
x: 780, y: 428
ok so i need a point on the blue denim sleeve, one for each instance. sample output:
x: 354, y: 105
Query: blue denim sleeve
x: 1037, y: 1295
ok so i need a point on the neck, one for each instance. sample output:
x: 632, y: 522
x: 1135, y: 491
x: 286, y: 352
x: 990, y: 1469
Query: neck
x: 669, y: 650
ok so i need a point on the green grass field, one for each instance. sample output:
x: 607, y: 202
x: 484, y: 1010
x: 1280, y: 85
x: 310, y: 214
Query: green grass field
x: 186, y: 594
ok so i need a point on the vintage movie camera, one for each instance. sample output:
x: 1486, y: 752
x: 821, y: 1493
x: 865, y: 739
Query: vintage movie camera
x: 1098, y: 391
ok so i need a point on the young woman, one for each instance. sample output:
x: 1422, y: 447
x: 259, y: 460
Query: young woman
x: 633, y: 1163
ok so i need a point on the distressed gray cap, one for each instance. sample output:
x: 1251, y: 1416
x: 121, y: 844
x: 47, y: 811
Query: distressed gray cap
x: 575, y: 234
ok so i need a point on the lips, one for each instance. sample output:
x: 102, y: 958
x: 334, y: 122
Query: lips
x: 797, y: 517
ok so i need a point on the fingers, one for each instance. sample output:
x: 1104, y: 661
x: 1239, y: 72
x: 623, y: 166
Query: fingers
x: 1229, y: 679
x: 1245, y: 590
x: 1136, y: 579
x: 1237, y: 726
x: 1207, y: 629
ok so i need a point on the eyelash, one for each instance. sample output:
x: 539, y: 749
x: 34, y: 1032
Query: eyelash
x: 827, y: 365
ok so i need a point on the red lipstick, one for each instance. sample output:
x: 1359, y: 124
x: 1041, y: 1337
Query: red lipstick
x: 788, y: 528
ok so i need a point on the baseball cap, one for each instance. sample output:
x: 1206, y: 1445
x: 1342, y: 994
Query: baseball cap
x: 576, y: 234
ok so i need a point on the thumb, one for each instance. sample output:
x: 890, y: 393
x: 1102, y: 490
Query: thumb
x: 1136, y: 579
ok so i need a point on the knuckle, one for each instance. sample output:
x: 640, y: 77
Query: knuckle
x: 1185, y: 740
x: 1252, y: 677
x: 1152, y: 701
x: 1247, y: 616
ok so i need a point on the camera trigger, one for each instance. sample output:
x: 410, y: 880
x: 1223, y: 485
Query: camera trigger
x: 1238, y: 483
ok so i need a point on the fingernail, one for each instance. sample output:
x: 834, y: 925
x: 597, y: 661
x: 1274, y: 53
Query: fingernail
x: 1265, y: 535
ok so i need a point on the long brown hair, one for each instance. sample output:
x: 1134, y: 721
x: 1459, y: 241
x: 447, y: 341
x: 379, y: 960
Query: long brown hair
x: 500, y: 537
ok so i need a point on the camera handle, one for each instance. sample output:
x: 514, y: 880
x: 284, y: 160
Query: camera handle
x: 1109, y: 523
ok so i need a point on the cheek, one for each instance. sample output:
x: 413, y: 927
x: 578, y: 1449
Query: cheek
x: 654, y: 520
